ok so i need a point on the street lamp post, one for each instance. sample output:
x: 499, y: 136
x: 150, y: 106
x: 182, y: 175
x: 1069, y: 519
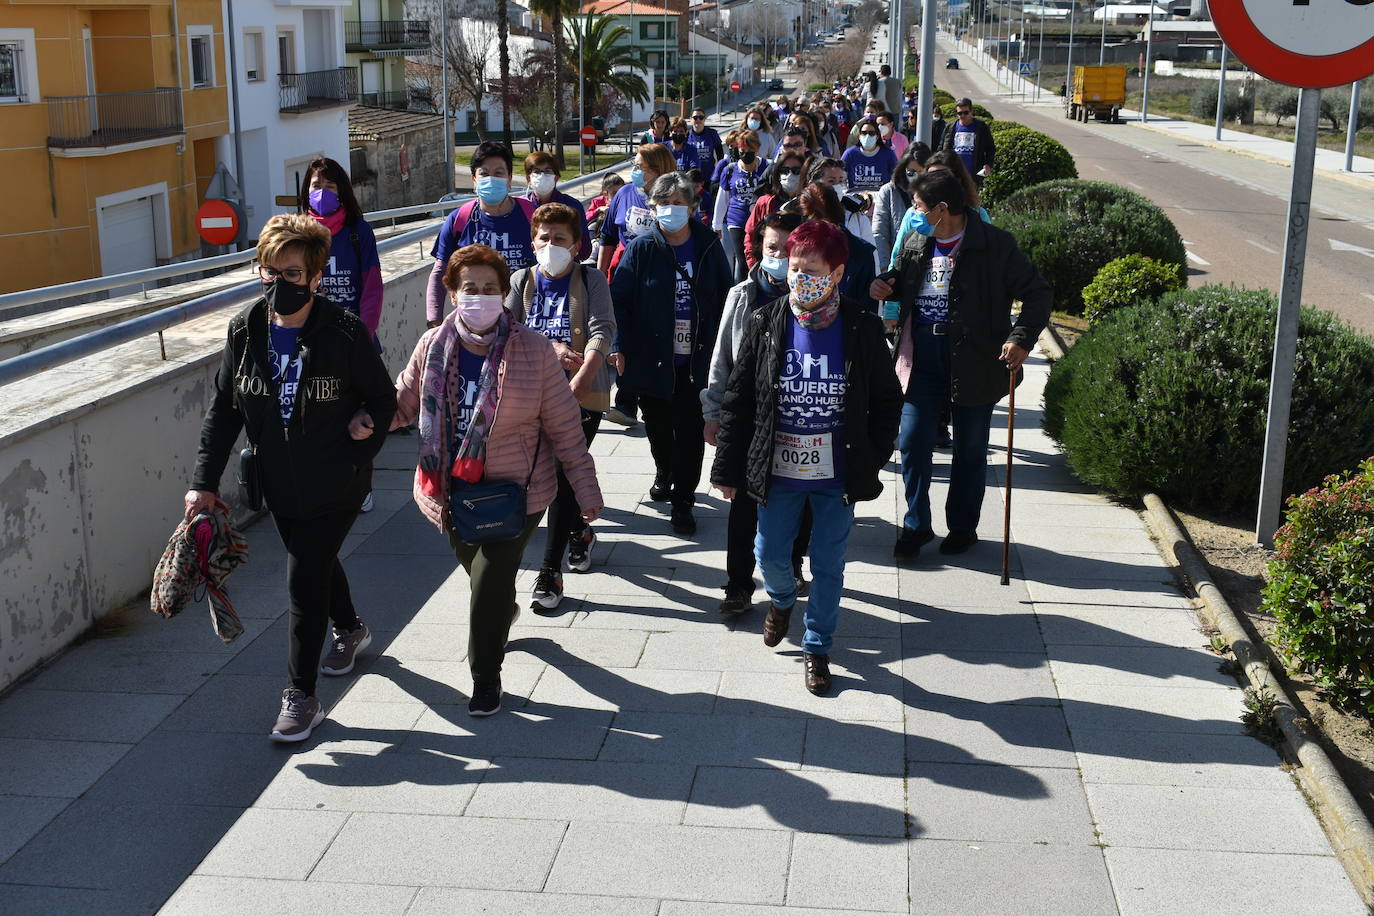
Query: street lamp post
x: 1102, y: 50
x: 1149, y: 61
x: 1352, y: 121
x: 1068, y: 79
x: 1040, y: 53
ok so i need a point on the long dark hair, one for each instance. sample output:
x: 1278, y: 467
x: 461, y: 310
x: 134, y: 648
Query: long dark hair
x: 330, y: 170
x: 775, y: 173
x: 950, y: 160
x: 916, y: 152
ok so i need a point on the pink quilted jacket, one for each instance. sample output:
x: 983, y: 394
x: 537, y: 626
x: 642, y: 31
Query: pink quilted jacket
x: 532, y: 397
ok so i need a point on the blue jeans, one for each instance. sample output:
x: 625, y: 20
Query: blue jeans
x: 779, y: 522
x: 926, y: 395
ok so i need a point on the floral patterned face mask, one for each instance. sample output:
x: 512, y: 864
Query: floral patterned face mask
x: 812, y: 300
x: 808, y: 289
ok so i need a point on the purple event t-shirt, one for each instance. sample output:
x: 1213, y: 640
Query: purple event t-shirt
x: 628, y: 217
x: 470, y: 371
x: 548, y: 312
x: 683, y: 303
x: 509, y: 234
x: 286, y: 367
x: 743, y: 188
x: 869, y: 173
x: 808, y: 449
x: 963, y: 144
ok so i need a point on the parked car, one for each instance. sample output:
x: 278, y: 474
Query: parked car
x: 952, y: 63
x: 774, y: 84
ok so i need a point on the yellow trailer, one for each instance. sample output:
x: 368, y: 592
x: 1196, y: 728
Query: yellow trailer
x: 1098, y: 92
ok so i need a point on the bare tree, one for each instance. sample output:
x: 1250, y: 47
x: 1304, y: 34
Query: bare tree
x: 868, y: 14
x: 471, y: 48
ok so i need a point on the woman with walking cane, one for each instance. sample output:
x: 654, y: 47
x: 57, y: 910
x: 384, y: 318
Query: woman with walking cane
x: 955, y: 279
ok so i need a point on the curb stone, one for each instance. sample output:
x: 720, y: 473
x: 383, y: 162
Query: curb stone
x: 1345, y: 824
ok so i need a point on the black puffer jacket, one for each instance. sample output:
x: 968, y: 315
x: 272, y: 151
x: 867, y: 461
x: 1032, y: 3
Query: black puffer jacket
x: 311, y: 466
x: 749, y: 412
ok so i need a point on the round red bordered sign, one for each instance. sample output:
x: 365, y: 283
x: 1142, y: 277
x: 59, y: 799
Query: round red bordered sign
x: 1312, y: 44
x: 734, y: 86
x: 588, y: 135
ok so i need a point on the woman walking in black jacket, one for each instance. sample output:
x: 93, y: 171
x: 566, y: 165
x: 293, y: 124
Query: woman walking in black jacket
x: 295, y: 369
x: 809, y: 417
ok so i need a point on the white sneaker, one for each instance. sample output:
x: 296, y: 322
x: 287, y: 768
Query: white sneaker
x: 367, y: 503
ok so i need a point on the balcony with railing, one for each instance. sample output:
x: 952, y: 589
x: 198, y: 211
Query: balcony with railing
x: 386, y: 34
x: 318, y: 89
x: 395, y: 100
x: 113, y: 118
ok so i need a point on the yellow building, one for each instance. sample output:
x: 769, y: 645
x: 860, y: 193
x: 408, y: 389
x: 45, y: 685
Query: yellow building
x: 108, y: 120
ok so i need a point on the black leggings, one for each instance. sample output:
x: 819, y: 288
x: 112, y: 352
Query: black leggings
x: 317, y: 587
x: 674, y: 427
x: 735, y: 237
x: 565, y: 515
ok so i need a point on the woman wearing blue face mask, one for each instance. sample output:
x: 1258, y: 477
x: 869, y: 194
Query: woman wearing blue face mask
x: 495, y: 219
x: 767, y: 281
x: 759, y: 121
x: 668, y: 292
x: 741, y: 183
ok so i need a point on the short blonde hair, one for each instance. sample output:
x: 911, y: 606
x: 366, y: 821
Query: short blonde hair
x: 287, y: 232
x: 658, y: 158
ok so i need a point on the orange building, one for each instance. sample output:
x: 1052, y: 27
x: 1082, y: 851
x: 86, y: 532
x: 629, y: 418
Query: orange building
x: 108, y: 121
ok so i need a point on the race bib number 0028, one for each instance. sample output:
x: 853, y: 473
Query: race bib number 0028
x: 804, y: 457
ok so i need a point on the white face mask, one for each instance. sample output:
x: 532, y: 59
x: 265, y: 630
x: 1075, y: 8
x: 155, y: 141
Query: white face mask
x: 554, y: 259
x: 885, y: 129
x: 542, y: 183
x: 790, y: 183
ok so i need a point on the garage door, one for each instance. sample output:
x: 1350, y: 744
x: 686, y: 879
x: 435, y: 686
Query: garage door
x: 127, y: 240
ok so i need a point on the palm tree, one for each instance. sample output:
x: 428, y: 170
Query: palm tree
x: 608, y: 61
x: 554, y: 10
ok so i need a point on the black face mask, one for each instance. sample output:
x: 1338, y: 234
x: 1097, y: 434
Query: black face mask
x: 679, y: 139
x: 748, y: 157
x: 734, y: 154
x: 286, y: 298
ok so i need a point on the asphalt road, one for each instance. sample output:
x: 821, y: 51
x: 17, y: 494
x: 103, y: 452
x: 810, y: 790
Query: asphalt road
x: 1230, y: 208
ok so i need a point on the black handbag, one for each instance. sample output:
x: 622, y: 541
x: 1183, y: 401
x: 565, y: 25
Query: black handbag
x: 489, y: 512
x: 250, y: 478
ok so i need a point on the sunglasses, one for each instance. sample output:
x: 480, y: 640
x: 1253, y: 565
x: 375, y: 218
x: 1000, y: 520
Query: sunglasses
x: 963, y: 111
x: 700, y: 117
x: 790, y: 170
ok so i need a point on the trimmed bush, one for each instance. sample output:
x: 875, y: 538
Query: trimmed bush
x: 1172, y: 397
x: 1025, y: 157
x: 1129, y: 281
x: 1321, y: 587
x: 812, y: 87
x: 947, y: 112
x: 996, y: 127
x: 942, y: 97
x: 1204, y: 103
x: 1071, y: 228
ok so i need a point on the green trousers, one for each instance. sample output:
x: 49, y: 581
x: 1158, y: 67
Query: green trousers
x: 491, y: 570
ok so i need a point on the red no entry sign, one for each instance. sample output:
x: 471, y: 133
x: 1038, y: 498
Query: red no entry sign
x: 217, y: 222
x: 1313, y: 44
x: 734, y: 85
x: 588, y: 135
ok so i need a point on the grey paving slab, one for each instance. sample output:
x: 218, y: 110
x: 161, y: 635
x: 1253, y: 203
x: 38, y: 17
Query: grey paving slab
x: 1236, y: 882
x: 1178, y: 759
x: 1195, y: 710
x: 583, y: 790
x: 272, y: 843
x: 728, y: 866
x: 847, y: 873
x: 954, y: 587
x: 741, y: 741
x: 1131, y: 666
x: 1075, y: 540
x: 431, y: 682
x: 40, y: 900
x: 953, y: 878
x: 851, y: 698
x: 532, y: 730
x: 1130, y: 572
x: 809, y: 801
x: 425, y: 850
x: 59, y: 769
x: 243, y: 704
x: 440, y: 642
x: 1071, y: 515
x: 1139, y: 593
x: 721, y: 651
x: 599, y: 648
x: 1016, y: 735
x: 108, y: 846
x: 854, y: 747
x: 999, y: 629
x: 446, y: 901
x: 697, y: 908
x: 221, y: 769
x: 120, y: 666
x: 978, y: 677
x: 32, y: 712
x: 206, y: 895
x: 1099, y: 625
x: 995, y: 802
x: 628, y: 688
x: 22, y: 816
x: 1189, y: 817
x: 189, y: 631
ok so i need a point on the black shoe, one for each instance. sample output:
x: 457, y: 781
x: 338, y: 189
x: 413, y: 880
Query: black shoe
x: 580, y: 549
x: 910, y: 542
x: 683, y: 521
x: 661, y: 489
x: 737, y: 600
x: 486, y: 698
x: 958, y: 541
x: 803, y: 587
x: 943, y: 440
x: 548, y: 590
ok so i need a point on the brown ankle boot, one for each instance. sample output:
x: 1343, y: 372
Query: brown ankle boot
x: 775, y: 625
x: 817, y: 674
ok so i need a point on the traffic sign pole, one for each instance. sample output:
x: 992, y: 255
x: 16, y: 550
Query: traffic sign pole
x: 1290, y: 310
x: 1350, y: 123
x: 1221, y: 91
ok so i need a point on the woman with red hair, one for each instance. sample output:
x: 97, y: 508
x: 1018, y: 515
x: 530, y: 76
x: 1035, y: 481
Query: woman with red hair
x: 809, y: 417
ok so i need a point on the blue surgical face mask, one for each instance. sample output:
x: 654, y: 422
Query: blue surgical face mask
x: 775, y: 268
x: 919, y: 222
x: 671, y: 217
x: 491, y: 190
x: 868, y: 141
x: 637, y: 177
x: 755, y: 123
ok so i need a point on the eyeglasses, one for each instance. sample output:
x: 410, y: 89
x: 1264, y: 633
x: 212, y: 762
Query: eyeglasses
x: 290, y: 274
x: 534, y: 172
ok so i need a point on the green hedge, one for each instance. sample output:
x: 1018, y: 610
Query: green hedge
x: 947, y: 112
x: 1025, y: 157
x: 1321, y: 587
x: 814, y: 86
x: 996, y: 127
x: 942, y: 97
x: 1129, y: 281
x: 1172, y: 397
x: 1071, y: 228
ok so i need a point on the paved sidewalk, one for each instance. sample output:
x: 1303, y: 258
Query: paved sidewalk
x: 1062, y: 745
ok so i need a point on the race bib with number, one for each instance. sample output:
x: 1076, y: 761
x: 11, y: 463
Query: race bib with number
x: 637, y: 222
x: 933, y: 299
x: 682, y: 337
x: 804, y: 457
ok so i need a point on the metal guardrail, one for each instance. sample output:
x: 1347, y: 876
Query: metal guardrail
x: 44, y: 358
x: 318, y: 89
x: 395, y: 100
x: 112, y: 117
x: 386, y: 33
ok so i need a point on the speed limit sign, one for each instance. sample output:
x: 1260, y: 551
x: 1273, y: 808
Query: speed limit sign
x: 1312, y: 44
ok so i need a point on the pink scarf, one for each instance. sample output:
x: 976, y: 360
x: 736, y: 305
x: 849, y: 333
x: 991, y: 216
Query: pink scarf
x: 334, y: 222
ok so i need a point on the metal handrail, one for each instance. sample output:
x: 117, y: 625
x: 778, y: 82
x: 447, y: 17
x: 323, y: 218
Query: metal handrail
x: 75, y: 288
x: 63, y: 352
x: 379, y: 32
x: 108, y: 118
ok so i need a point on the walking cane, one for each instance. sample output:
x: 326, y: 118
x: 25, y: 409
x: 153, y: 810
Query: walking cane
x: 1006, y: 515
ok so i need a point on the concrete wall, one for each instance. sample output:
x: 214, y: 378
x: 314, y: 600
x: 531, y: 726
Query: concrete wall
x: 94, y: 459
x: 382, y: 186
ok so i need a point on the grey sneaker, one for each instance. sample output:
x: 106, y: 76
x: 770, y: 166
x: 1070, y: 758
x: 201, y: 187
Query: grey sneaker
x: 299, y: 716
x: 344, y: 649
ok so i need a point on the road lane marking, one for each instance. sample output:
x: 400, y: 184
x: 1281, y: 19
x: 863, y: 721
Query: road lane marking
x: 1261, y: 247
x: 1185, y: 210
x: 1197, y: 260
x: 1138, y: 187
x: 1369, y: 296
x: 1338, y: 245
